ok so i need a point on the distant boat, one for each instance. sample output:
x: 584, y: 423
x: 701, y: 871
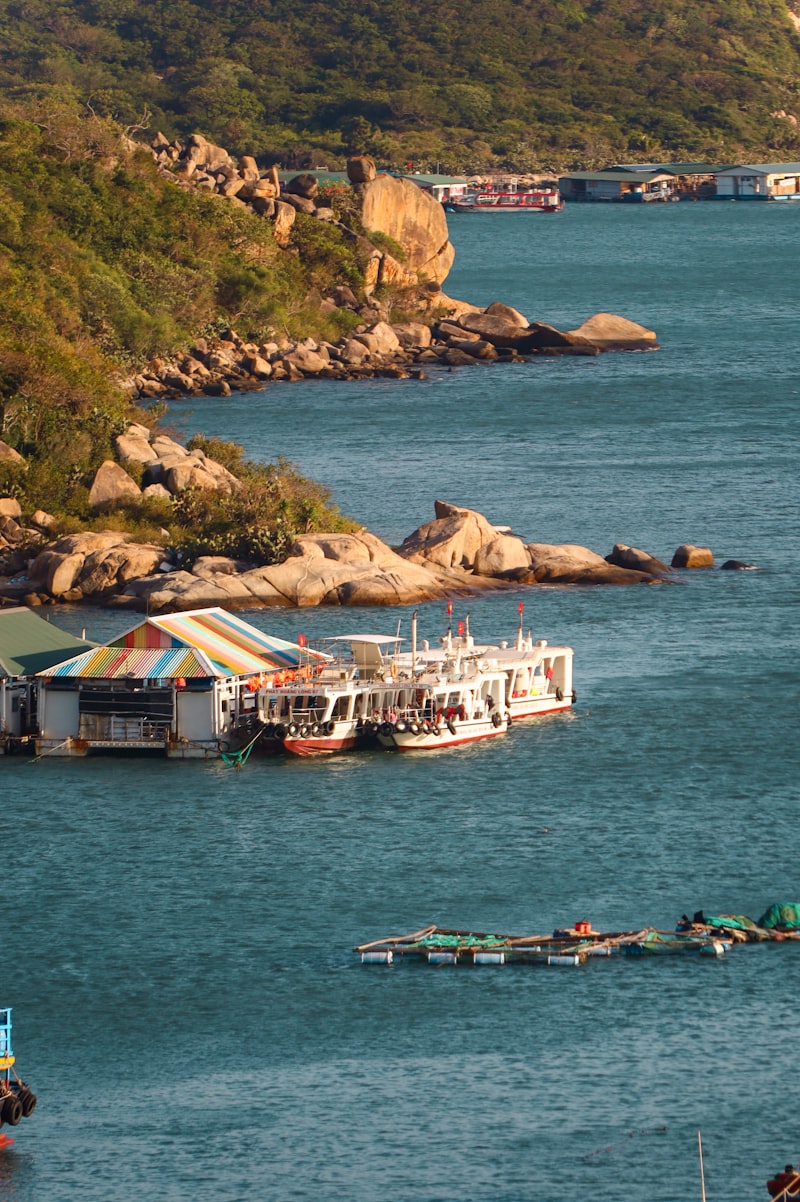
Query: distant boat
x: 493, y: 200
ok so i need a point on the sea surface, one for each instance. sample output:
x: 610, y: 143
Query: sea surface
x: 178, y: 936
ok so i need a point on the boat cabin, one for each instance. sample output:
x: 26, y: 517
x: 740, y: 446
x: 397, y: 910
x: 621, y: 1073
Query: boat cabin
x: 759, y: 181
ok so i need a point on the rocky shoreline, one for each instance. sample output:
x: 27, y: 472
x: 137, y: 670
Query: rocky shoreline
x: 459, y: 552
x: 449, y: 333
x: 466, y: 337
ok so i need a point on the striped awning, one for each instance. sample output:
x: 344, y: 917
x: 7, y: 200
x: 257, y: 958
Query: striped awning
x: 137, y: 663
x: 234, y: 644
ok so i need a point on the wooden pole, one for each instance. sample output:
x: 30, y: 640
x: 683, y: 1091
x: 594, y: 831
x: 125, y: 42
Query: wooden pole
x: 702, y: 1174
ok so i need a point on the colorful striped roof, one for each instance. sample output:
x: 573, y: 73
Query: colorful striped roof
x: 137, y: 663
x: 201, y: 642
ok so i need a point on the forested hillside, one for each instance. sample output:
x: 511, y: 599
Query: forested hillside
x: 529, y: 83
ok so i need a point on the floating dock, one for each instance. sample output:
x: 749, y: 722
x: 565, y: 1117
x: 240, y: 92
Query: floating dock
x: 566, y: 947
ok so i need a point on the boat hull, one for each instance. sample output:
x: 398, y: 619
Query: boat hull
x: 462, y: 732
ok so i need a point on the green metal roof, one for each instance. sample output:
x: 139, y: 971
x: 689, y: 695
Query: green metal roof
x: 426, y: 181
x: 29, y: 644
x: 764, y: 168
x: 622, y: 177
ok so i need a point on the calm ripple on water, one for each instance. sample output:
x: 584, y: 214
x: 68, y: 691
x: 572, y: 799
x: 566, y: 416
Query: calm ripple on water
x: 178, y: 937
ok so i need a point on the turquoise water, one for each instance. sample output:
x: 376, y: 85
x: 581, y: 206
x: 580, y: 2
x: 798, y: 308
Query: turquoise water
x: 178, y: 936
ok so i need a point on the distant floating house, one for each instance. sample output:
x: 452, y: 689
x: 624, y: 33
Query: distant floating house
x: 637, y: 182
x: 28, y: 644
x: 759, y: 181
x: 178, y: 684
x: 618, y: 184
x: 441, y: 187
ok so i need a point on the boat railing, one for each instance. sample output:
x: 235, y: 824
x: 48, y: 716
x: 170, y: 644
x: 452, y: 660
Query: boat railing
x: 118, y: 728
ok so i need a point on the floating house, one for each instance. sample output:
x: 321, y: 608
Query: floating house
x: 642, y: 182
x: 759, y: 181
x: 28, y: 644
x: 181, y: 684
x: 441, y: 187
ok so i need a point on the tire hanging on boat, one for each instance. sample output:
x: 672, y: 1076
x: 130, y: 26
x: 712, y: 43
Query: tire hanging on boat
x: 386, y: 728
x: 329, y: 727
x: 451, y: 726
x: 559, y: 694
x: 496, y: 719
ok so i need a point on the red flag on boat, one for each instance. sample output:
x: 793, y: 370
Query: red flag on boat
x: 461, y: 628
x: 521, y: 607
x: 449, y: 609
x: 301, y: 640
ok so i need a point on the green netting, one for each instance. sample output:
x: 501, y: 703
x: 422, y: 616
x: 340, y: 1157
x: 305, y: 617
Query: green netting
x: 781, y: 914
x: 460, y: 941
x: 739, y: 922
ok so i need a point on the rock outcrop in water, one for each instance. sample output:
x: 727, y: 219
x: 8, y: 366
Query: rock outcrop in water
x: 458, y: 552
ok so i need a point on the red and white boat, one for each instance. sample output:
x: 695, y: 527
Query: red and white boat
x: 495, y: 200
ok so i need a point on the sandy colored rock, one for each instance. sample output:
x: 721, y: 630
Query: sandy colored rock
x: 452, y: 539
x: 379, y: 339
x: 609, y: 332
x: 164, y: 446
x: 689, y: 556
x: 10, y: 507
x: 157, y: 492
x: 624, y: 556
x: 498, y: 309
x: 131, y: 447
x: 500, y: 557
x: 9, y: 456
x: 414, y: 219
x: 360, y: 169
x: 569, y: 563
x: 413, y: 333
x: 111, y: 485
x: 282, y: 222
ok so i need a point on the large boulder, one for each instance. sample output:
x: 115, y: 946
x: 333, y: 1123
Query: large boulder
x: 609, y: 332
x: 568, y: 563
x: 360, y: 169
x: 10, y: 457
x: 623, y: 556
x: 414, y: 219
x: 505, y: 555
x: 451, y: 540
x: 689, y: 556
x: 111, y: 485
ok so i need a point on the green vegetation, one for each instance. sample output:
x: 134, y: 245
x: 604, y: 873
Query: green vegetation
x: 105, y: 264
x: 524, y: 83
